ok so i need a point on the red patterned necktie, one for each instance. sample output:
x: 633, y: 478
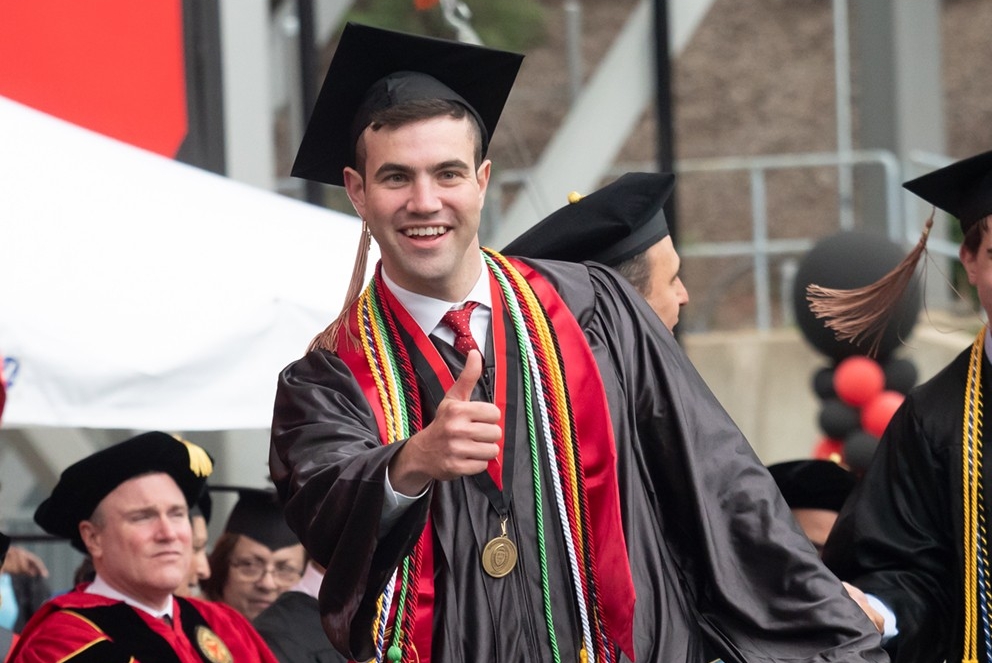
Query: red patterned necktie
x: 457, y: 320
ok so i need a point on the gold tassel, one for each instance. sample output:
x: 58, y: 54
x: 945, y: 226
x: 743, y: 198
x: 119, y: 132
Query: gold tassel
x: 328, y: 339
x: 862, y: 314
x: 199, y: 462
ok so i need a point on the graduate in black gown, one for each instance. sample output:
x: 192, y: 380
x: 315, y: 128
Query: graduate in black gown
x: 501, y: 460
x: 912, y: 534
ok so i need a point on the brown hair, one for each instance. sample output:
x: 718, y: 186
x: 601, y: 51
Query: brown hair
x: 973, y: 238
x: 220, y: 566
x: 415, y: 111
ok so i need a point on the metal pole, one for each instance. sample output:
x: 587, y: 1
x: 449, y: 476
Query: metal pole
x: 842, y: 87
x: 308, y: 91
x: 663, y: 103
x: 573, y: 46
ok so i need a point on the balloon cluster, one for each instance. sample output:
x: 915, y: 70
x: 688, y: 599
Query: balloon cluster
x: 859, y: 397
x: 859, y: 394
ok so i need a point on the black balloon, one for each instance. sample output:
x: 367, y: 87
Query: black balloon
x: 859, y: 447
x: 823, y: 383
x: 852, y: 260
x: 900, y: 375
x: 838, y: 419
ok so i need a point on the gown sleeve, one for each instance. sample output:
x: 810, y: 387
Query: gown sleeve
x: 755, y: 581
x: 329, y: 466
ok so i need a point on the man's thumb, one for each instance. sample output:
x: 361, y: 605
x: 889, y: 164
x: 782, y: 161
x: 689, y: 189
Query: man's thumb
x: 462, y: 389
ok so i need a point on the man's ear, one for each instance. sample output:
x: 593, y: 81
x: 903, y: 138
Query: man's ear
x: 482, y: 177
x: 355, y: 186
x: 90, y: 534
x: 968, y: 259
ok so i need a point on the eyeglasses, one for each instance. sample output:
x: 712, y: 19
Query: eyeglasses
x: 255, y: 570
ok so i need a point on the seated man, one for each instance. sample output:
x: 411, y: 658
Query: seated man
x: 128, y: 507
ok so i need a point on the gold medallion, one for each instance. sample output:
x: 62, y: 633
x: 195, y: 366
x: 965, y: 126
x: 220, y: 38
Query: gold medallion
x: 500, y: 555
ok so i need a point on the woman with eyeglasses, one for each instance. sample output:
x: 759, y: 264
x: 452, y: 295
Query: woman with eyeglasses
x: 257, y: 558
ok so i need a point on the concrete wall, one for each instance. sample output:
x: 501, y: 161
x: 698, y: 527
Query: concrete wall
x: 764, y: 379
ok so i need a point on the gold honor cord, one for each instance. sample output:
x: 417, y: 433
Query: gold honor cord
x: 971, y: 468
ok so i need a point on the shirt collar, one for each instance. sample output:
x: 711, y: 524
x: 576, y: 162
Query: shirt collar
x: 309, y: 584
x: 100, y: 587
x: 428, y: 311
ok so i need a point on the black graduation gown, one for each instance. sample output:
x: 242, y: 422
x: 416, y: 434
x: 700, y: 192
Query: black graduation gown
x: 292, y: 630
x: 900, y: 533
x: 716, y: 558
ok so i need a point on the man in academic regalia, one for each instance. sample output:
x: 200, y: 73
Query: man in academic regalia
x: 494, y: 458
x: 128, y: 507
x: 623, y: 226
x: 913, y: 534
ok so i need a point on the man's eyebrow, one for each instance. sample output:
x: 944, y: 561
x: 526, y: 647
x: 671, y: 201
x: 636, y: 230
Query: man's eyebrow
x: 451, y: 164
x: 392, y: 168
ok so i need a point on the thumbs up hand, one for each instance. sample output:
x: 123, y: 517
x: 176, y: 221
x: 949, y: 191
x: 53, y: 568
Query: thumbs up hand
x: 460, y: 441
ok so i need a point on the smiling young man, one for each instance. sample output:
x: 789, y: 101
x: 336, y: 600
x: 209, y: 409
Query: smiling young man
x: 127, y: 506
x: 493, y: 459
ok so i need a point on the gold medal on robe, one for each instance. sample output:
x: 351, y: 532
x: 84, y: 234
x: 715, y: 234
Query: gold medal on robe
x: 500, y: 555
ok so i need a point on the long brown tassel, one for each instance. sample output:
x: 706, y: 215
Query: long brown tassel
x: 328, y: 339
x: 862, y: 314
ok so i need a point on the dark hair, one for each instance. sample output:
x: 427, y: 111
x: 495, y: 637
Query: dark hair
x: 973, y: 238
x: 220, y: 566
x: 637, y: 270
x: 84, y: 572
x: 415, y: 111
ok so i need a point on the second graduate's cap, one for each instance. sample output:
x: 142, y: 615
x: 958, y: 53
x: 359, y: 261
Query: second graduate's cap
x: 259, y: 515
x: 963, y: 189
x: 85, y: 483
x: 374, y: 69
x: 611, y: 225
x: 813, y: 483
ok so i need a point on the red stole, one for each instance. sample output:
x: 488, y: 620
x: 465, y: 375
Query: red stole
x: 593, y: 428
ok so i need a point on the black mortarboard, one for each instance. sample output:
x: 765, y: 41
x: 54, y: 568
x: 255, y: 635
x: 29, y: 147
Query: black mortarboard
x: 204, y: 504
x: 611, y: 225
x: 259, y: 514
x: 85, y: 483
x: 373, y: 69
x: 963, y: 189
x: 813, y: 483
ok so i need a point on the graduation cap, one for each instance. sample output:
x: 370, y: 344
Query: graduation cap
x: 375, y: 69
x: 813, y: 483
x: 84, y: 484
x: 962, y: 189
x: 609, y: 226
x: 259, y: 515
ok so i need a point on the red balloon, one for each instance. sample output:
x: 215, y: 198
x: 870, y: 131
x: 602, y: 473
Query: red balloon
x: 829, y: 449
x: 877, y: 413
x: 858, y: 379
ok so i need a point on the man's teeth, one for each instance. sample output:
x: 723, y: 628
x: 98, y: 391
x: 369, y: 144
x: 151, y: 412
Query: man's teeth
x: 425, y: 232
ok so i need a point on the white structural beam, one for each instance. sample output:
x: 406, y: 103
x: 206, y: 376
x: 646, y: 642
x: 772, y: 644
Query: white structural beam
x: 585, y: 146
